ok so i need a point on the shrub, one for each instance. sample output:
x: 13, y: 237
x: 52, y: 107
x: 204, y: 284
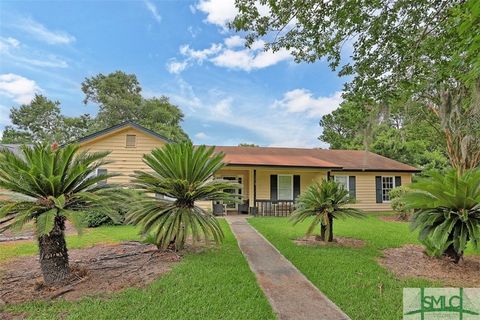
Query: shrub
x: 184, y: 173
x: 324, y: 202
x: 398, y: 203
x: 447, y: 211
x: 48, y: 186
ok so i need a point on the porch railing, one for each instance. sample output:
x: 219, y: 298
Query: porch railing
x: 277, y: 208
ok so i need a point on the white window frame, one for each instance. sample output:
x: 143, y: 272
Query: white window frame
x: 278, y: 186
x: 347, y: 186
x: 393, y: 186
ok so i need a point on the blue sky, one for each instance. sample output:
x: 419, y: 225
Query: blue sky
x: 181, y: 49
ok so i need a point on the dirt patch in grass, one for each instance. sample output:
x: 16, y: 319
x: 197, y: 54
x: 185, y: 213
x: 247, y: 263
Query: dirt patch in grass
x: 97, y: 270
x: 411, y: 261
x: 394, y: 219
x: 337, y: 242
x: 28, y: 233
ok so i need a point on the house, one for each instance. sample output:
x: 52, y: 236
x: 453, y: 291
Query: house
x: 270, y: 178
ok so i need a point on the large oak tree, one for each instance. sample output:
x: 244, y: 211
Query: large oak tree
x: 426, y: 50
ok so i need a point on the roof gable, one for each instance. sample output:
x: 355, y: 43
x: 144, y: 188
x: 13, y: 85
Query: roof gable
x: 119, y: 127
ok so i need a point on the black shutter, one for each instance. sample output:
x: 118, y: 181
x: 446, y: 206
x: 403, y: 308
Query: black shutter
x: 273, y: 187
x: 352, y: 186
x: 378, y: 188
x: 296, y: 186
x: 398, y: 181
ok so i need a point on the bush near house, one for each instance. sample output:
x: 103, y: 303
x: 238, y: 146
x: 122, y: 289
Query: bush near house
x: 398, y: 203
x: 447, y: 211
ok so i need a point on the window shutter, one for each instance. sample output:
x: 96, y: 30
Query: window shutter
x: 273, y: 187
x: 352, y: 186
x: 398, y: 181
x: 378, y: 188
x: 296, y: 186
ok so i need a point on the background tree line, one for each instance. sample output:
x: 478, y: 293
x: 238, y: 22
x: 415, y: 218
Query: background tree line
x: 422, y: 54
x: 118, y: 97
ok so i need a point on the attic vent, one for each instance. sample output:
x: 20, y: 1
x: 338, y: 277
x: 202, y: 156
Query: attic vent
x: 131, y: 141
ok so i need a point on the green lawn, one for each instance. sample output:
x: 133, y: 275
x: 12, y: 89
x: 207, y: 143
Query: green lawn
x: 215, y: 284
x: 108, y: 234
x: 350, y: 277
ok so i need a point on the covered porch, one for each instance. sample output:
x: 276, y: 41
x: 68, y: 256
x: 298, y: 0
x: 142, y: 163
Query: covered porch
x: 266, y: 190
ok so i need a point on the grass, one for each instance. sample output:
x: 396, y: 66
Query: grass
x: 106, y: 234
x: 214, y: 284
x: 350, y: 277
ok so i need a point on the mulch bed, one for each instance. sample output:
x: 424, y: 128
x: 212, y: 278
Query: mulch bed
x: 96, y: 271
x: 411, y: 261
x: 337, y: 242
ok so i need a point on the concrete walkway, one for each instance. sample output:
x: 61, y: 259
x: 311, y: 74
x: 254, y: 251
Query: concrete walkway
x: 290, y: 293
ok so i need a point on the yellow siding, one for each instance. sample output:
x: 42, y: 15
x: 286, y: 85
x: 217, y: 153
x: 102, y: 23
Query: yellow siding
x: 205, y: 205
x: 307, y: 177
x: 365, y: 187
x: 125, y: 160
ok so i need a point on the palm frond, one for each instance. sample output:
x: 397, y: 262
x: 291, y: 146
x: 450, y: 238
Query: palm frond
x: 186, y: 174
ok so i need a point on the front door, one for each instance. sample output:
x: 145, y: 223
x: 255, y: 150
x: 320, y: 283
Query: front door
x: 237, y: 179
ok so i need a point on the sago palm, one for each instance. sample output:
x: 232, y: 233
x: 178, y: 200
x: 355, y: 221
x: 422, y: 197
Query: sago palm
x: 182, y: 175
x: 49, y: 185
x: 324, y: 202
x: 447, y: 211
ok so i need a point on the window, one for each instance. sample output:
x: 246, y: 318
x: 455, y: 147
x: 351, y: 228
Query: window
x: 131, y: 141
x: 343, y: 180
x: 101, y: 171
x: 285, y: 187
x: 388, y: 183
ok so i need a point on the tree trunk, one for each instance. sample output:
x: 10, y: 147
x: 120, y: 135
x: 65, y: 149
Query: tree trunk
x: 54, y: 254
x: 452, y: 254
x: 330, y: 228
x: 323, y: 230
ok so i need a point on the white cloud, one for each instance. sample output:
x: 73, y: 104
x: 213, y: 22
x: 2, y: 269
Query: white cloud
x: 200, y: 55
x: 18, y: 88
x: 153, y: 10
x: 303, y: 101
x: 40, y: 32
x: 219, y: 12
x: 7, y: 43
x: 12, y: 50
x: 194, y: 31
x: 201, y: 136
x: 250, y: 59
x: 176, y: 67
x: 223, y: 107
x: 272, y: 124
x: 234, y: 41
x: 246, y: 59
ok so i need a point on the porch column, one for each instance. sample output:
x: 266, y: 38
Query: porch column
x: 251, y: 201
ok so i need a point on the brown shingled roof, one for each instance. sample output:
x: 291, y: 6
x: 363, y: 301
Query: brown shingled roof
x: 314, y: 158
